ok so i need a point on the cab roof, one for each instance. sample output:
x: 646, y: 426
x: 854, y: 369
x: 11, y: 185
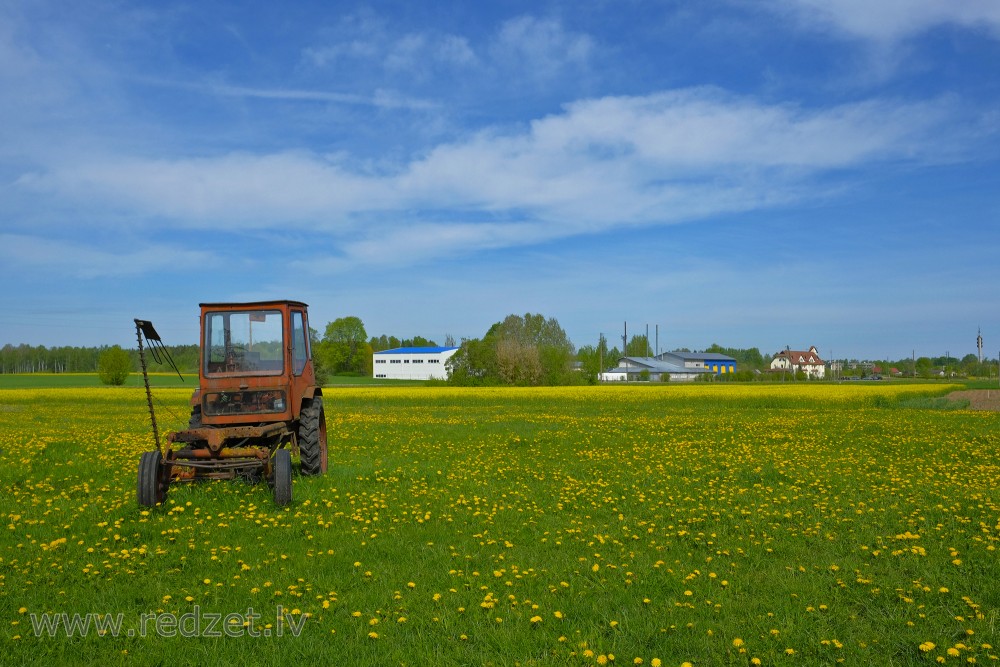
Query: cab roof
x: 253, y: 304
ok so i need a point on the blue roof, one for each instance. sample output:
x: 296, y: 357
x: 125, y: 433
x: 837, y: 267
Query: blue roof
x: 417, y: 350
x: 699, y: 356
x: 653, y: 364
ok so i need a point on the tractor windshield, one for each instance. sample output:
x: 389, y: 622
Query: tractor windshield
x: 249, y: 342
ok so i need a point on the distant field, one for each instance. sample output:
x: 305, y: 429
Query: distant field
x: 801, y: 524
x: 79, y: 380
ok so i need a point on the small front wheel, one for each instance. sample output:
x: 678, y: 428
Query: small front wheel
x: 152, y: 486
x: 282, y: 477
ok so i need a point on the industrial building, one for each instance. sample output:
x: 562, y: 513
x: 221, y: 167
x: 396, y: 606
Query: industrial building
x: 634, y: 369
x: 412, y: 363
x: 713, y: 362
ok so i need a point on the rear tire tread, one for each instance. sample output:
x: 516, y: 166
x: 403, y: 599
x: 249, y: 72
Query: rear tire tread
x: 312, y: 437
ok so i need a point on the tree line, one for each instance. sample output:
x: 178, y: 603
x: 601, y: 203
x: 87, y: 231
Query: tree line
x: 525, y: 349
x: 67, y: 359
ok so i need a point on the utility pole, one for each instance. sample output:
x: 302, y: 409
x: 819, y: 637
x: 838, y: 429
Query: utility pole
x: 625, y: 349
x: 600, y: 352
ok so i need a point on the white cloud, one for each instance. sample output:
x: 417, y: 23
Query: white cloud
x: 380, y: 99
x: 84, y: 261
x: 891, y: 20
x: 600, y: 164
x: 368, y: 39
x: 456, y: 51
x: 541, y: 48
x: 236, y: 190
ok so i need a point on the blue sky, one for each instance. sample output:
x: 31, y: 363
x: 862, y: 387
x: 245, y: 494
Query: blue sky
x: 759, y: 173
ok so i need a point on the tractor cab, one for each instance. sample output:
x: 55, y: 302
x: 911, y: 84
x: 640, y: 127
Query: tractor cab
x: 255, y: 363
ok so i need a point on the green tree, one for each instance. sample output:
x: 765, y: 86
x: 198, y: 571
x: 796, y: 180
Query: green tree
x: 114, y: 365
x: 474, y: 364
x: 520, y: 350
x: 638, y: 347
x: 344, y: 347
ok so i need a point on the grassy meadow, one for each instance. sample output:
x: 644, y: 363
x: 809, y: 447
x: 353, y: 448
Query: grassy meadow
x: 798, y: 524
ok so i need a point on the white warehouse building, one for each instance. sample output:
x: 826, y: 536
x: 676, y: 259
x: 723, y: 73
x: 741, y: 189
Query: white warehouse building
x: 412, y: 363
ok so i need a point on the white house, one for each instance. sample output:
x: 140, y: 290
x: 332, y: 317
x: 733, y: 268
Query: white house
x: 795, y: 360
x: 412, y: 363
x: 630, y: 369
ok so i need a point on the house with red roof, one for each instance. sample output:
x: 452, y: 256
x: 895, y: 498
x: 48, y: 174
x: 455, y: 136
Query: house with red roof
x: 807, y: 361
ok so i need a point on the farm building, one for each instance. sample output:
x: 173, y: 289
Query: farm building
x: 713, y: 362
x: 412, y: 363
x: 631, y: 369
x: 806, y: 361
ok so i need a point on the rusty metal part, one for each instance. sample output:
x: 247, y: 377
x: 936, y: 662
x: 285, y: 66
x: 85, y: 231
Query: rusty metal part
x: 188, y: 464
x: 145, y: 378
x: 216, y: 438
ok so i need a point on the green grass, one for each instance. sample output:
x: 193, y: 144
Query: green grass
x: 80, y: 380
x: 659, y: 522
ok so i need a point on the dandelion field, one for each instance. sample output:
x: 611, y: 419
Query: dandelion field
x: 803, y: 524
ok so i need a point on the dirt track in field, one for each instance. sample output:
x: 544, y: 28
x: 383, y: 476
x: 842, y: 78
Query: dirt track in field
x: 979, y: 399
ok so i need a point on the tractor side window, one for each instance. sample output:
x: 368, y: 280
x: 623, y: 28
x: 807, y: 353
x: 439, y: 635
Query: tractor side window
x: 300, y: 353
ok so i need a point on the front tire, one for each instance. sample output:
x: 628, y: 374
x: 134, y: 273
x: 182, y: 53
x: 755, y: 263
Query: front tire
x: 312, y: 437
x: 282, y: 477
x: 152, y: 487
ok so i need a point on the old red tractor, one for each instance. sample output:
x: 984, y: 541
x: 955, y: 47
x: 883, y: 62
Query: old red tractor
x: 257, y: 401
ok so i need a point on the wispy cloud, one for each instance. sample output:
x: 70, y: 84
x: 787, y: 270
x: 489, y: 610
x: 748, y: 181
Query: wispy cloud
x: 369, y: 40
x: 540, y: 48
x: 892, y: 20
x: 600, y: 164
x: 384, y: 99
x: 83, y: 260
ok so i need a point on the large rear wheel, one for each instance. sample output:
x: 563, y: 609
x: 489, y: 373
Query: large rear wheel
x: 195, y: 421
x: 152, y: 485
x: 282, y: 477
x: 312, y: 437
